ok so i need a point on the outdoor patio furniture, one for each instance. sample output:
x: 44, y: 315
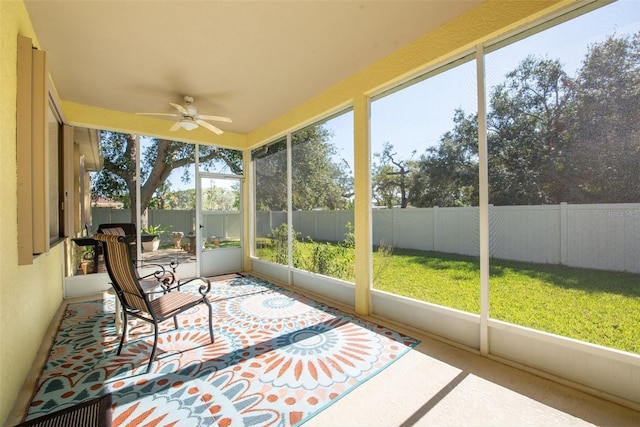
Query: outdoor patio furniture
x: 126, y: 229
x: 162, y: 276
x: 138, y: 304
x: 89, y: 241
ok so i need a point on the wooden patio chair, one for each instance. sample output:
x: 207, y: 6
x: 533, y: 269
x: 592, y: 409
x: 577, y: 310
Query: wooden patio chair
x: 138, y: 304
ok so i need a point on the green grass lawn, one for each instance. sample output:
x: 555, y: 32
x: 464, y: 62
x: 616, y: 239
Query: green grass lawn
x: 596, y: 306
x: 599, y: 307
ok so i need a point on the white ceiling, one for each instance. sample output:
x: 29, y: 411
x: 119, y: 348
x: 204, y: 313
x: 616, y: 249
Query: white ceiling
x: 249, y: 60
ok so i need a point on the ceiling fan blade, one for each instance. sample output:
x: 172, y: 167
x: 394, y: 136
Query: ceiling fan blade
x: 159, y: 114
x: 216, y: 118
x: 209, y: 126
x: 175, y: 127
x: 179, y: 108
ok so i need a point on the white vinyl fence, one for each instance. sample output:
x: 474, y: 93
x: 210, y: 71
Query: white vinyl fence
x: 221, y: 224
x: 598, y: 236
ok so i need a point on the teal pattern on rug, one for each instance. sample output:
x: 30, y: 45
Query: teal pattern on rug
x: 278, y: 359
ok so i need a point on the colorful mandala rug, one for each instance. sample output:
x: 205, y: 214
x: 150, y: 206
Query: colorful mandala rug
x: 278, y: 359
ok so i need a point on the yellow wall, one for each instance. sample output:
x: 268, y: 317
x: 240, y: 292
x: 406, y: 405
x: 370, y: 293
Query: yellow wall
x: 29, y: 295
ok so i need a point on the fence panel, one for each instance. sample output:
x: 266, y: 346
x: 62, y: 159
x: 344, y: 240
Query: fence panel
x: 382, y: 226
x: 267, y: 221
x: 331, y: 225
x: 599, y: 236
x: 222, y: 224
x: 327, y: 226
x: 108, y: 216
x: 177, y: 220
x: 233, y: 225
x: 322, y: 226
x: 525, y: 233
x: 457, y: 230
x: 413, y: 228
x: 604, y: 237
x: 304, y: 224
x: 342, y: 219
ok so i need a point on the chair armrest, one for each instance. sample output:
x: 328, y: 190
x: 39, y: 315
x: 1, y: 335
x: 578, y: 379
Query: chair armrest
x: 162, y: 275
x: 203, y: 289
x: 170, y: 263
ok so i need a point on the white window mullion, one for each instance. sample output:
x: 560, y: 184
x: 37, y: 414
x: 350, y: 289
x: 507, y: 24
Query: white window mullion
x: 483, y: 167
x: 137, y: 206
x: 290, y: 235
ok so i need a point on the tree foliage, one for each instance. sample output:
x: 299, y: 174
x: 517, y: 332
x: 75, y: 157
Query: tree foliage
x: 604, y: 156
x: 525, y: 129
x: 551, y: 138
x: 271, y: 177
x: 117, y: 181
x: 319, y: 182
x: 447, y: 175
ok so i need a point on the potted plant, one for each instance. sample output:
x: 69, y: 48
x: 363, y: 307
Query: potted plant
x: 86, y: 263
x: 150, y: 237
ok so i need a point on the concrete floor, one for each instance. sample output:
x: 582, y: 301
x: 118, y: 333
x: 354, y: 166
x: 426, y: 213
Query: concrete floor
x: 441, y: 385
x: 438, y: 384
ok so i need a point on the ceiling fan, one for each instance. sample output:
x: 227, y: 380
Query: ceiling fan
x: 189, y: 119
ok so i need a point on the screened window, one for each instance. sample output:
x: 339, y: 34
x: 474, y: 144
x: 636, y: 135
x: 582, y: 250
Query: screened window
x: 322, y: 197
x: 564, y: 147
x: 271, y: 205
x: 425, y: 188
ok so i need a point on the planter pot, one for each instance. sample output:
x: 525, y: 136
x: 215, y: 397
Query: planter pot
x: 151, y: 246
x: 215, y: 241
x: 88, y: 267
x: 177, y: 237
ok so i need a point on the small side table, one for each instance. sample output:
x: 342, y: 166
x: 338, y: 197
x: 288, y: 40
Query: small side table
x: 89, y: 241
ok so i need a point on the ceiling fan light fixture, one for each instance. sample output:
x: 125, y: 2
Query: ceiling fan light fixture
x: 188, y: 124
x: 189, y: 119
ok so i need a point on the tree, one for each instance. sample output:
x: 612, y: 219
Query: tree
x: 270, y: 165
x: 319, y: 182
x: 117, y: 181
x: 218, y: 199
x: 391, y: 178
x: 551, y: 138
x: 447, y: 175
x: 385, y: 190
x: 526, y: 128
x: 602, y: 160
